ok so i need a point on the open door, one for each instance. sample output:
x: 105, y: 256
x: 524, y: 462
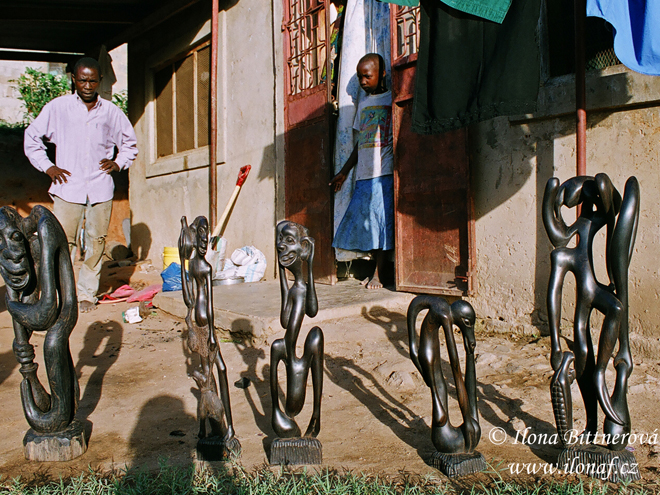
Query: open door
x: 308, y: 164
x: 433, y: 208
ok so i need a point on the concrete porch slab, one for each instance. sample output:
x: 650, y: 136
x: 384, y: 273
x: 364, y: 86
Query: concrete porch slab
x: 254, y: 308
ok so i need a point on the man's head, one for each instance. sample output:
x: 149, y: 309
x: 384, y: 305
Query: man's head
x: 371, y: 73
x: 86, y: 78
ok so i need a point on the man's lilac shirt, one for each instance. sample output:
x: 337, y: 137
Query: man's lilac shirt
x: 82, y: 139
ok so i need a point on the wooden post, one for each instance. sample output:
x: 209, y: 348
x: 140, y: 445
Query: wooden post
x: 213, y: 139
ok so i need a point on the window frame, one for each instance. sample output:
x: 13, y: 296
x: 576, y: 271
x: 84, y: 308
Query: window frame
x: 198, y: 157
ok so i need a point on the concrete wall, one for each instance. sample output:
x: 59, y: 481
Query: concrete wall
x: 513, y: 158
x: 161, y: 191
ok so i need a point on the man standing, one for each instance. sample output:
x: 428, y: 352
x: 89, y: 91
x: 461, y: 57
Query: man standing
x: 85, y: 130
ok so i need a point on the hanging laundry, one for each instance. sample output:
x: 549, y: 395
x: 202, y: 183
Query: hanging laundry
x: 366, y: 30
x: 469, y: 70
x: 493, y: 10
x: 636, y: 41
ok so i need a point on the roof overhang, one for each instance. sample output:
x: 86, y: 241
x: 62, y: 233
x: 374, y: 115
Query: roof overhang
x: 43, y: 30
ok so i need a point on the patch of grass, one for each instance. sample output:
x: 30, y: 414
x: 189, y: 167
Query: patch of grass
x: 234, y: 480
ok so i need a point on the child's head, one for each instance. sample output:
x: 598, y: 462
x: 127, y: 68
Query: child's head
x: 371, y: 73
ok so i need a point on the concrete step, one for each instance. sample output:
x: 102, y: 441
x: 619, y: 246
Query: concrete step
x: 254, y: 308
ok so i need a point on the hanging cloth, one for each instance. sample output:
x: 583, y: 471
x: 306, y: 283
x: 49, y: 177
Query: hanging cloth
x: 109, y: 77
x: 469, y: 70
x: 493, y: 10
x: 366, y: 30
x: 636, y: 41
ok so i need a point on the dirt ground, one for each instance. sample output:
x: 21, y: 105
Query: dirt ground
x: 140, y: 401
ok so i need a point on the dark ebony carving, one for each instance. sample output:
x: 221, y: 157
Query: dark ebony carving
x: 295, y: 248
x: 215, y: 409
x: 456, y: 446
x: 601, y: 206
x: 41, y: 296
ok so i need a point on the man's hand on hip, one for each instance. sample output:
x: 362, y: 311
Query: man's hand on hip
x: 108, y: 166
x: 57, y: 174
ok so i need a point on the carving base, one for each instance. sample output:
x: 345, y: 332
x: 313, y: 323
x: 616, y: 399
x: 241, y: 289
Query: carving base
x: 57, y: 446
x: 600, y: 462
x: 455, y: 465
x: 214, y: 449
x: 305, y: 450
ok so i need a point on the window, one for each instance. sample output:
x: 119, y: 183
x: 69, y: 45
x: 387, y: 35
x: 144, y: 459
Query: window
x: 306, y: 59
x: 182, y: 90
x: 406, y: 20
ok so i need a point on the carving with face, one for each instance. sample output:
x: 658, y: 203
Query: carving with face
x: 214, y: 405
x: 295, y: 248
x: 15, y: 265
x: 293, y: 244
x: 41, y: 296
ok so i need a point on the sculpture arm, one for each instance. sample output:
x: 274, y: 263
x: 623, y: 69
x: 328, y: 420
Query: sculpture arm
x: 552, y: 220
x: 209, y: 306
x: 284, y: 293
x: 311, y: 301
x: 184, y: 255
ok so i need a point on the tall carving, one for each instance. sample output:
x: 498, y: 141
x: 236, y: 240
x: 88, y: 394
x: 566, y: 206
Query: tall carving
x: 295, y: 249
x: 220, y: 442
x: 41, y: 296
x: 601, y: 207
x: 456, y: 455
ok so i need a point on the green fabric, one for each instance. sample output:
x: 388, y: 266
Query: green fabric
x: 493, y: 10
x: 405, y: 3
x: 469, y: 69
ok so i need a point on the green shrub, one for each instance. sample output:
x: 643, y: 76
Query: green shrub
x: 121, y: 100
x: 37, y: 88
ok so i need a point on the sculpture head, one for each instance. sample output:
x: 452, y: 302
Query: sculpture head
x: 15, y: 265
x: 463, y: 317
x: 200, y: 228
x: 294, y: 245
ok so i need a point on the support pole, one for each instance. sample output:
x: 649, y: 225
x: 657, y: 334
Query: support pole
x: 213, y: 117
x: 580, y: 87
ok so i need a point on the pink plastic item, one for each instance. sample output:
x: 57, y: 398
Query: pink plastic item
x: 145, y: 294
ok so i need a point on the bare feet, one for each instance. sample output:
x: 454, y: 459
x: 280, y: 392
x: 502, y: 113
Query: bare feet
x: 86, y: 306
x: 374, y: 283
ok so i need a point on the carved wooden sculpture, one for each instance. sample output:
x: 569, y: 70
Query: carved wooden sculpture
x: 456, y: 455
x: 601, y: 206
x: 197, y: 286
x: 295, y: 247
x: 41, y: 296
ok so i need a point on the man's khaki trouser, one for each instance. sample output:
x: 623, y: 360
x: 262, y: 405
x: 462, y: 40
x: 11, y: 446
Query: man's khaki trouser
x: 97, y: 221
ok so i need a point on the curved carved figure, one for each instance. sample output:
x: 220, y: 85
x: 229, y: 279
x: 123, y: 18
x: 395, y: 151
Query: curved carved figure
x: 425, y: 354
x: 198, y: 296
x: 601, y: 206
x: 295, y: 247
x: 41, y: 296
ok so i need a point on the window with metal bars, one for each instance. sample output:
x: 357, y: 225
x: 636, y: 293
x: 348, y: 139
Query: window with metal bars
x: 406, y: 22
x: 182, y: 90
x: 307, y: 48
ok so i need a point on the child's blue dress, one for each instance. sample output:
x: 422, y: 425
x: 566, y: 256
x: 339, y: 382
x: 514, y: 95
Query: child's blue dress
x: 368, y: 223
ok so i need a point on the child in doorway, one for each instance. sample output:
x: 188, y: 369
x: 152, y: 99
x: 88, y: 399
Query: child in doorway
x: 368, y: 224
